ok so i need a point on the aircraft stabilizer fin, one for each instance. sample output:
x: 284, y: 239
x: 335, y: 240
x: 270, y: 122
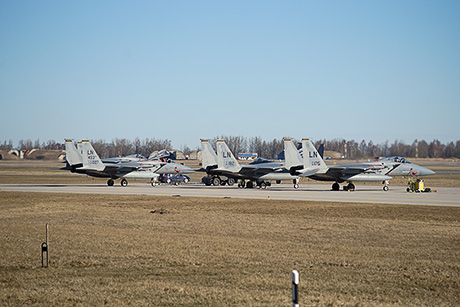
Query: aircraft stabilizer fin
x: 311, y: 157
x: 291, y: 155
x: 208, y: 156
x: 71, y: 153
x: 90, y: 158
x: 225, y: 158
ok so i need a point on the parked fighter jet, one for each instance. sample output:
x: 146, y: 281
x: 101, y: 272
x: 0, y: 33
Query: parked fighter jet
x: 209, y: 165
x: 86, y: 161
x: 164, y: 155
x: 224, y: 165
x: 379, y: 170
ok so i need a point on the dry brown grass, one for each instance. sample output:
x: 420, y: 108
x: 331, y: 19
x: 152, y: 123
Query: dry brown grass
x: 177, y: 251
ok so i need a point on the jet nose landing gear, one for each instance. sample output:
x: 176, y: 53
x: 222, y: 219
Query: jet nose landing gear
x: 385, y: 187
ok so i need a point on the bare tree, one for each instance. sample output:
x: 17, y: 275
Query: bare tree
x: 449, y: 150
x: 422, y: 149
x: 6, y: 146
x: 457, y: 149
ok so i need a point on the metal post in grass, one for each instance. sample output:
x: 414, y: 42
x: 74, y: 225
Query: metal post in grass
x: 295, y: 288
x: 45, y: 249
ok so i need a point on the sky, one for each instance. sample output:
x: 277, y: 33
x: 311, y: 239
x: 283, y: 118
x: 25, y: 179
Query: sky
x: 191, y: 70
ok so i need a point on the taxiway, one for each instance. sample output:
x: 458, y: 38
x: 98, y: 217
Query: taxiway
x: 313, y: 192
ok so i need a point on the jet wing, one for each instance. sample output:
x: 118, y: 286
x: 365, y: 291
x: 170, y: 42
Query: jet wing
x: 259, y: 170
x: 132, y: 166
x: 251, y: 171
x: 344, y: 172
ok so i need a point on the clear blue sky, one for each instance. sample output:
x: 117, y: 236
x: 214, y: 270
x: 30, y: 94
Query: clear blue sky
x: 185, y: 70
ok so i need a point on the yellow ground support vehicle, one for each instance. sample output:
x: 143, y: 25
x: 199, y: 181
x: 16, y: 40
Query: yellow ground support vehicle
x: 416, y: 185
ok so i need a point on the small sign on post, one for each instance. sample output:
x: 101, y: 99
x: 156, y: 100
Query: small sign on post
x: 295, y: 288
x: 45, y: 249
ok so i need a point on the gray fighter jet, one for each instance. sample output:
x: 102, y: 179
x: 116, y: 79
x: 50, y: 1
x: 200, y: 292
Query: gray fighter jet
x: 86, y: 161
x: 223, y: 167
x: 164, y: 155
x: 376, y: 171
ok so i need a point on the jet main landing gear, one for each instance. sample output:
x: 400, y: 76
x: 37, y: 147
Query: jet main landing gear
x: 250, y: 184
x: 123, y: 182
x: 264, y: 184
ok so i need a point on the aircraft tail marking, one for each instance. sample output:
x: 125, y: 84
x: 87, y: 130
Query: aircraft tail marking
x: 311, y: 157
x: 90, y: 158
x: 225, y: 158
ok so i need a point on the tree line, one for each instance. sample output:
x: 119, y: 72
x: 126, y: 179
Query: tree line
x: 117, y: 147
x: 264, y: 148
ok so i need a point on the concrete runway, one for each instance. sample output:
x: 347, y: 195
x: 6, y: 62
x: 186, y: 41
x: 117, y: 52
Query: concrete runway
x: 314, y: 192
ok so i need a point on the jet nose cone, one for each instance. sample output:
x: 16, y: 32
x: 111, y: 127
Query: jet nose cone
x: 423, y: 171
x: 430, y: 172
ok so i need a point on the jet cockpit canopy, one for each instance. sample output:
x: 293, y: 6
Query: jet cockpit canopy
x: 397, y: 159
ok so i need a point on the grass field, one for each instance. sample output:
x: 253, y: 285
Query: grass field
x: 177, y: 251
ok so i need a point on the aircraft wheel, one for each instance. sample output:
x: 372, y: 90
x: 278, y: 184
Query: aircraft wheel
x: 335, y: 187
x: 263, y: 185
x: 110, y: 182
x: 350, y: 187
x: 278, y: 181
x: 153, y: 183
x: 231, y: 181
x: 296, y: 186
x: 124, y: 182
x: 185, y: 180
x: 168, y: 180
x: 385, y: 188
x: 215, y: 181
x: 250, y: 185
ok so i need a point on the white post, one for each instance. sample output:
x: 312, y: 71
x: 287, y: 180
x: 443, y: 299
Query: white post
x: 295, y: 288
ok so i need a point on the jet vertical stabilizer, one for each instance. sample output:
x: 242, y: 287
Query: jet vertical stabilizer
x: 291, y: 156
x: 311, y: 157
x: 208, y: 156
x: 90, y: 158
x: 71, y: 154
x: 225, y: 158
x: 80, y: 150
